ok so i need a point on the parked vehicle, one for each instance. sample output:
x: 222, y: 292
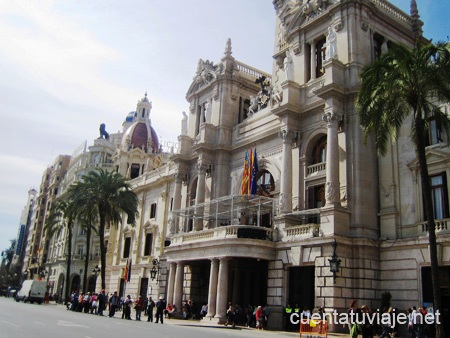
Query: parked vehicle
x: 32, y: 291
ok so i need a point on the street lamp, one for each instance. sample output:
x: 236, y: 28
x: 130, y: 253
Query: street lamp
x: 335, y: 262
x: 154, y: 271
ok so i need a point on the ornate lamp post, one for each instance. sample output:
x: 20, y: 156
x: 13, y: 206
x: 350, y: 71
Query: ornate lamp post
x: 154, y: 271
x: 335, y: 262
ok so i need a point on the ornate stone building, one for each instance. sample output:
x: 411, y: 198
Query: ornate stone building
x: 209, y: 240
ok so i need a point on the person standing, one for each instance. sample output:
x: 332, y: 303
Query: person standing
x: 139, y: 304
x: 160, y: 306
x: 113, y: 304
x: 127, y: 307
x: 150, y: 307
x: 101, y: 302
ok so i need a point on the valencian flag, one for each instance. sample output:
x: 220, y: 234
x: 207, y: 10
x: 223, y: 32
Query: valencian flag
x: 127, y: 271
x: 249, y: 176
x: 246, y: 175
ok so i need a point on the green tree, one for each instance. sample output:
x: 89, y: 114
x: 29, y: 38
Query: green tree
x: 61, y: 218
x: 404, y: 83
x: 111, y: 196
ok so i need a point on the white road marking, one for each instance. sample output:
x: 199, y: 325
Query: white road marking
x: 70, y: 324
x: 9, y: 323
x: 39, y: 323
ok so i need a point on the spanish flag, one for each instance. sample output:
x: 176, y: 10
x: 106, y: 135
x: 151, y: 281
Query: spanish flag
x: 127, y: 271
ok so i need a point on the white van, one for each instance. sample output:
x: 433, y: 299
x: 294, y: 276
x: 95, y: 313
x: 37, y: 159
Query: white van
x: 32, y: 291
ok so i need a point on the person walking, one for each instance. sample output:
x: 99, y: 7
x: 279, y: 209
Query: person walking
x: 160, y: 306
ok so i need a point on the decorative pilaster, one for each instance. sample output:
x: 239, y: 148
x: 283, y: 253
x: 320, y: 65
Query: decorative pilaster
x: 212, y: 292
x: 287, y: 136
x: 200, y: 194
x: 222, y: 290
x: 174, y: 226
x: 332, y: 188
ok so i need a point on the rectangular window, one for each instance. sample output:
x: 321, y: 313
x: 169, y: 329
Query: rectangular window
x: 439, y: 196
x: 134, y: 171
x: 434, y: 133
x: 80, y: 250
x: 126, y: 247
x: 148, y: 244
x: 153, y: 210
x: 320, y: 57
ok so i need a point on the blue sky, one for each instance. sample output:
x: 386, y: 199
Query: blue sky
x: 67, y: 66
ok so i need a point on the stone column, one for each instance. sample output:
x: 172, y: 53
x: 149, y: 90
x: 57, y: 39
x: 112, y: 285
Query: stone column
x: 212, y: 292
x: 171, y: 282
x: 332, y: 188
x: 176, y: 204
x: 178, y: 287
x: 222, y: 290
x: 200, y: 194
x: 287, y: 137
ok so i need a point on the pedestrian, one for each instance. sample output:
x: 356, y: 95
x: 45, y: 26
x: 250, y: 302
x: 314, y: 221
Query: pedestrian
x: 160, y: 306
x: 127, y: 307
x: 138, y: 305
x: 259, y: 315
x: 113, y: 304
x: 150, y: 307
x: 101, y: 302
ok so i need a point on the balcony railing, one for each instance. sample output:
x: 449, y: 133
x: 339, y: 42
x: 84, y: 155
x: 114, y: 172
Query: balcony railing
x: 442, y: 226
x: 316, y: 168
x: 224, y: 232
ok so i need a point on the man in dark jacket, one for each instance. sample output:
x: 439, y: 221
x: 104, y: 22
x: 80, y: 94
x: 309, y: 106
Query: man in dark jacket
x: 150, y: 307
x: 160, y: 306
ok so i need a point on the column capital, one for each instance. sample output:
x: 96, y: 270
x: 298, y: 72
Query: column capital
x: 331, y: 116
x: 287, y: 136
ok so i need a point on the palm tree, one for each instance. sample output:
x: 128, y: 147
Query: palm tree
x: 87, y: 219
x: 61, y: 217
x: 402, y: 82
x: 111, y: 195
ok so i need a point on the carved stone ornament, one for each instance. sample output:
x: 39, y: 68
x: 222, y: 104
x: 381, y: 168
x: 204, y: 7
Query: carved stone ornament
x: 206, y: 73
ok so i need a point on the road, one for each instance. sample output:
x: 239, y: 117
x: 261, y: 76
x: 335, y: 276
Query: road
x: 19, y: 320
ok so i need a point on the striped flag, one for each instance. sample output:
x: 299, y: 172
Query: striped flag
x: 127, y: 271
x: 245, y: 175
x: 254, y: 173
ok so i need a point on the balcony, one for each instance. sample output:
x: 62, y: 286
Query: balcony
x: 442, y: 227
x: 240, y: 216
x: 316, y: 169
x: 224, y: 232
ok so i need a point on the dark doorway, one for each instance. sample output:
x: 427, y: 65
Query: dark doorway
x: 248, y: 281
x: 122, y: 288
x: 76, y: 283
x: 144, y: 287
x: 91, y: 283
x: 301, y: 286
x: 427, y: 286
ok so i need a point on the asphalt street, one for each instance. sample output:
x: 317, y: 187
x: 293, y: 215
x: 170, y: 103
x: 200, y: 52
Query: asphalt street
x: 19, y: 320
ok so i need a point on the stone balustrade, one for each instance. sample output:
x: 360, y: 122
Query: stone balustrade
x: 316, y: 168
x: 243, y: 68
x: 442, y: 226
x: 224, y: 232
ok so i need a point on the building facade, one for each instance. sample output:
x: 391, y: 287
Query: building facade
x: 205, y: 234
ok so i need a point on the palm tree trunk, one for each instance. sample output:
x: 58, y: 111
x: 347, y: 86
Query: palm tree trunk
x: 69, y: 261
x: 86, y: 260
x: 427, y: 197
x: 101, y: 233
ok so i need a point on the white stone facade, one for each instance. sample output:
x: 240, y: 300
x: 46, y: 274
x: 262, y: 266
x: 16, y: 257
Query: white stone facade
x: 319, y: 180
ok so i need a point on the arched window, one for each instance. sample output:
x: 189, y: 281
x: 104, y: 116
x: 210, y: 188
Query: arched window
x: 319, y: 154
x: 266, y: 183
